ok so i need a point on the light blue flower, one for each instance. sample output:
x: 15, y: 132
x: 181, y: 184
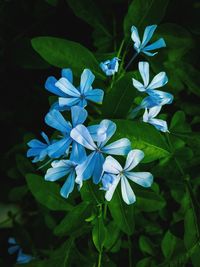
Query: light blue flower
x: 50, y: 85
x: 143, y: 46
x: 92, y: 166
x: 156, y: 97
x: 61, y: 168
x: 22, y: 258
x: 113, y: 173
x: 69, y: 95
x: 110, y: 67
x: 60, y: 148
x: 149, y: 117
x: 38, y: 149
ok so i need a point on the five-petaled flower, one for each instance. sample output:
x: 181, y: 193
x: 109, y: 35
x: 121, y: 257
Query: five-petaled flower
x: 92, y: 166
x: 61, y: 168
x: 38, y: 149
x: 14, y: 248
x: 110, y: 67
x: 113, y: 173
x: 149, y: 117
x: 59, y: 148
x: 142, y: 46
x: 71, y: 96
x: 156, y: 97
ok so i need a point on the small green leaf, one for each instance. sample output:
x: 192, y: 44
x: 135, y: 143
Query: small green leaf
x: 99, y: 233
x: 143, y: 136
x: 142, y: 13
x: 168, y: 244
x: 66, y: 54
x: 123, y: 214
x: 146, y: 245
x: 148, y: 200
x: 47, y: 193
x: 113, y: 235
x: 74, y: 220
x: 121, y: 96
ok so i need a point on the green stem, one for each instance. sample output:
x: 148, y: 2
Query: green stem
x: 99, y: 259
x: 130, y: 252
x: 105, y: 210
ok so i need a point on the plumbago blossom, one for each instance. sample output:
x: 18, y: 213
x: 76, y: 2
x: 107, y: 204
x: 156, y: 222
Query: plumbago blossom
x: 113, y: 173
x: 110, y: 67
x: 155, y: 99
x: 71, y: 96
x: 81, y: 152
x: 142, y: 46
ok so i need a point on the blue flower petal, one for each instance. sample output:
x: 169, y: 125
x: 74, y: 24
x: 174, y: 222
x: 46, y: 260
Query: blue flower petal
x: 112, y: 187
x: 57, y: 172
x: 158, y: 81
x: 136, y: 39
x: 99, y: 160
x: 105, y: 131
x: 133, y: 159
x: 65, y: 86
x: 144, y: 179
x: 68, y: 101
x: 59, y: 148
x: 112, y: 166
x: 56, y: 106
x: 51, y: 87
x: 87, y: 78
x: 78, y: 153
x: 55, y: 119
x: 144, y: 72
x: 23, y: 258
x: 148, y: 33
x: 82, y: 136
x: 67, y: 73
x: 68, y: 186
x: 127, y: 192
x: 159, y: 98
x: 95, y: 95
x: 156, y: 45
x: 13, y: 249
x: 79, y: 115
x: 160, y: 125
x: 119, y: 147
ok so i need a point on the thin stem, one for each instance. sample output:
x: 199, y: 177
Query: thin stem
x: 99, y: 259
x: 132, y: 59
x: 130, y: 252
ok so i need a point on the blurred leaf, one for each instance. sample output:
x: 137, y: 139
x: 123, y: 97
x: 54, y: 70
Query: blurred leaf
x: 143, y: 136
x: 123, y: 214
x: 142, y: 13
x: 178, y: 123
x: 47, y: 193
x: 168, y: 244
x: 99, y: 233
x: 112, y: 236
x: 121, y: 96
x: 146, y: 245
x: 17, y: 193
x: 91, y: 193
x: 146, y: 262
x: 148, y: 201
x: 64, y: 53
x: 23, y: 164
x: 74, y: 220
x: 7, y: 213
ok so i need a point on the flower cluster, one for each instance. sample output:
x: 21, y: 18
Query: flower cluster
x: 81, y: 152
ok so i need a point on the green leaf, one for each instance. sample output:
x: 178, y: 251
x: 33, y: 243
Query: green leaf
x: 47, y: 193
x: 148, y: 200
x: 168, y: 244
x: 178, y: 123
x: 91, y: 193
x: 74, y: 220
x: 23, y: 165
x: 111, y: 239
x: 99, y: 233
x: 146, y: 245
x: 123, y: 214
x: 142, y: 13
x: 146, y: 262
x: 143, y: 136
x: 64, y: 53
x: 121, y: 96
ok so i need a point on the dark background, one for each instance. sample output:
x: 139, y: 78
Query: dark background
x: 23, y: 97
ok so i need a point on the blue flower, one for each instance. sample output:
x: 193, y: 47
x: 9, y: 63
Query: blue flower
x: 61, y: 168
x: 59, y: 148
x: 22, y: 258
x: 69, y: 95
x: 50, y: 85
x: 142, y: 46
x: 149, y: 117
x: 110, y: 67
x: 113, y: 173
x: 156, y: 97
x: 92, y: 166
x: 38, y: 149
